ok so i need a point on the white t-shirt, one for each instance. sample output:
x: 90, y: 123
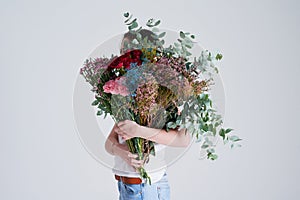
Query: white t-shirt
x: 155, y: 168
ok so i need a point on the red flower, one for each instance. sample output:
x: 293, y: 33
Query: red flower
x: 126, y: 59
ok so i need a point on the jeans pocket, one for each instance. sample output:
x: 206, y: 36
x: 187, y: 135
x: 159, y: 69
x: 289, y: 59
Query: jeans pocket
x: 163, y: 192
x: 163, y: 188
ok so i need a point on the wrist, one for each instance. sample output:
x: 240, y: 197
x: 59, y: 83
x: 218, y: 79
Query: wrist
x: 142, y: 132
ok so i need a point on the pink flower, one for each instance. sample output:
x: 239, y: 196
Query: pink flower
x: 116, y: 87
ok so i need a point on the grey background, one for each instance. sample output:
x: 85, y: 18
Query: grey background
x: 43, y: 44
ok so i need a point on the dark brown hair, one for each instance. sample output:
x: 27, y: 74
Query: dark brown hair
x: 144, y: 33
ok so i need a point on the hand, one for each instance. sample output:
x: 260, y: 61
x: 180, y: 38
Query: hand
x: 128, y: 129
x: 129, y: 157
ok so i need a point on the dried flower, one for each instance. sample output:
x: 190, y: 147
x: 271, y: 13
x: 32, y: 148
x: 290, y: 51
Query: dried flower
x: 116, y: 87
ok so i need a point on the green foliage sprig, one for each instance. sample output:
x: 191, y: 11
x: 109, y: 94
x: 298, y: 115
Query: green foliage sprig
x: 198, y: 115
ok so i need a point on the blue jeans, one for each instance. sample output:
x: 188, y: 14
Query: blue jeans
x: 156, y: 191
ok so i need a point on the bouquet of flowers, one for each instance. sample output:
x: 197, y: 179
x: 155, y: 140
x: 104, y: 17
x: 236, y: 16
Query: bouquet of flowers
x: 159, y: 87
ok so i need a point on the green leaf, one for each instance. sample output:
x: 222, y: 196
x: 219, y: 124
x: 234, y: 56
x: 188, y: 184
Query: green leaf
x: 214, y: 131
x: 155, y: 29
x: 126, y: 14
x: 216, y: 69
x: 128, y: 19
x: 188, y: 46
x: 198, y: 138
x: 149, y: 22
x: 139, y: 29
x: 171, y: 125
x: 133, y: 26
x: 162, y: 34
x: 212, y: 156
x: 210, y: 150
x: 234, y: 138
x: 209, y: 56
x: 210, y: 127
x: 222, y: 133
x: 228, y: 130
x: 96, y: 102
x: 192, y: 36
x: 225, y: 141
x: 219, y: 56
x: 176, y: 44
x: 182, y: 35
x: 132, y: 22
x: 157, y: 23
x: 188, y: 53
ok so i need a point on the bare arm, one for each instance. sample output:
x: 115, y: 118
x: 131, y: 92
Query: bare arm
x: 128, y: 129
x: 172, y: 137
x: 113, y: 147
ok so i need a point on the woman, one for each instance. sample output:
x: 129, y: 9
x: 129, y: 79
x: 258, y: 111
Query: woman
x: 130, y: 185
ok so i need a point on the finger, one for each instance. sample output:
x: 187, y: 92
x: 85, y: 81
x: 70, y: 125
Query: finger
x: 121, y: 129
x: 138, y: 162
x: 121, y: 123
x: 123, y: 136
x: 120, y: 132
x: 135, y: 163
x: 130, y: 162
x: 127, y: 137
x: 117, y: 129
x: 131, y: 155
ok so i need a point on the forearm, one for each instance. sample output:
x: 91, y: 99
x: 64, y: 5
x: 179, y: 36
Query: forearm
x: 112, y: 145
x: 171, y: 138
